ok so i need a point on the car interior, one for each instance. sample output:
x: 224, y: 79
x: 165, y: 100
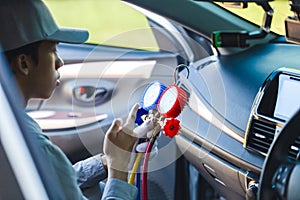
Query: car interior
x: 239, y: 135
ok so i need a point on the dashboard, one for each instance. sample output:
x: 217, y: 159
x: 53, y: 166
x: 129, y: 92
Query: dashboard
x: 237, y: 106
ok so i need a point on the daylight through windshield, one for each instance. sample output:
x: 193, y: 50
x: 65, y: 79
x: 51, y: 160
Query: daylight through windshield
x: 255, y: 14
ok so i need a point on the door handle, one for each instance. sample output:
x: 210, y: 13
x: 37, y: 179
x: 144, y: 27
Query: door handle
x: 89, y: 94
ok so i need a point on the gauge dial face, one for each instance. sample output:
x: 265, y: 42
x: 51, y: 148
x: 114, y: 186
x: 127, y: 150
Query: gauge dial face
x: 172, y: 101
x: 152, y: 95
x: 168, y: 100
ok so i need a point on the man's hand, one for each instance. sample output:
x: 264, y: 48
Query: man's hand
x: 118, y: 145
x: 145, y: 131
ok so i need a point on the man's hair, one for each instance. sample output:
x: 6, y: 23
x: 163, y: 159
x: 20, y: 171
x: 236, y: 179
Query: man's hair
x: 30, y: 49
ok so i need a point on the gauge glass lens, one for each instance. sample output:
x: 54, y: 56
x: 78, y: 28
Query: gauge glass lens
x: 168, y: 100
x: 152, y: 95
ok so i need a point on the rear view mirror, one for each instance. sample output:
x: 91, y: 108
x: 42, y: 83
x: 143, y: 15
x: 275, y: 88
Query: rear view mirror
x: 240, y: 5
x: 292, y: 30
x: 292, y: 24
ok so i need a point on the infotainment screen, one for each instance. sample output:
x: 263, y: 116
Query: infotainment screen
x: 288, y: 98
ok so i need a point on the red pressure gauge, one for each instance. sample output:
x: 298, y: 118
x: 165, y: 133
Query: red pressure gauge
x: 172, y: 101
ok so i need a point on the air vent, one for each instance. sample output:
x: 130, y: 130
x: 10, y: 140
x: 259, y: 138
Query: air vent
x: 260, y: 136
x: 295, y: 150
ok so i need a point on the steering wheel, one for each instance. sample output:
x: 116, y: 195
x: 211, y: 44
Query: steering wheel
x: 280, y: 177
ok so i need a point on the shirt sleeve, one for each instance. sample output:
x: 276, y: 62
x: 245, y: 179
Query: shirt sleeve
x: 89, y: 172
x: 119, y: 190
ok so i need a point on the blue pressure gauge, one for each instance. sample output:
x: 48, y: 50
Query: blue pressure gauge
x: 150, y: 99
x: 152, y: 94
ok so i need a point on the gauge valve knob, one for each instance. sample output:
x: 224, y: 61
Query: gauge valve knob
x: 171, y: 127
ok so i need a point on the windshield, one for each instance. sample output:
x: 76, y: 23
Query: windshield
x: 255, y: 13
x: 109, y: 22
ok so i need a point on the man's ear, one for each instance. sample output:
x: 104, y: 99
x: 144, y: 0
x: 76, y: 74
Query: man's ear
x: 23, y: 64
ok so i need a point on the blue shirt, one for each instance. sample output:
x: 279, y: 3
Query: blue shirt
x: 119, y: 190
x: 83, y: 174
x: 89, y: 172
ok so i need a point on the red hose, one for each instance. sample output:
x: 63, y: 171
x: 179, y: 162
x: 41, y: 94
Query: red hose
x: 145, y: 169
x: 146, y: 161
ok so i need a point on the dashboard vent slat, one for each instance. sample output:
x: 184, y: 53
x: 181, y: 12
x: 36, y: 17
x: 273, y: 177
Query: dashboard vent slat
x: 260, y: 141
x: 263, y: 127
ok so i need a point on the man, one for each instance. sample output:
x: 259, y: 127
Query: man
x: 29, y: 37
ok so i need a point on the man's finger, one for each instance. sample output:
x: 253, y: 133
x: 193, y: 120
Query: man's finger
x: 142, y: 147
x: 142, y: 130
x: 130, y: 122
x: 132, y: 115
x: 114, y: 127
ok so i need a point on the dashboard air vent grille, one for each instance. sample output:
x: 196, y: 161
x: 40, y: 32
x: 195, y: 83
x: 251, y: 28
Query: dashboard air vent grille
x: 260, y: 136
x: 295, y: 150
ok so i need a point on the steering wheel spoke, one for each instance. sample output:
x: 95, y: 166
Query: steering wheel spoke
x: 281, y: 177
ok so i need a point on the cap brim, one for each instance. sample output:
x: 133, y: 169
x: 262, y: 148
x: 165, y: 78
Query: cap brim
x: 70, y: 35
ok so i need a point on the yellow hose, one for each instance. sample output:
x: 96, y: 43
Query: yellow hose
x: 135, y: 167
